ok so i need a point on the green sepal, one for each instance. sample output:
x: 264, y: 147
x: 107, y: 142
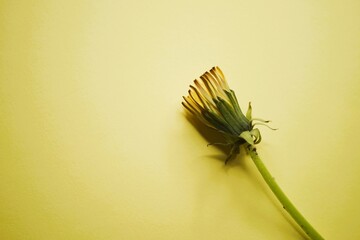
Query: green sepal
x: 228, y: 114
x: 249, y: 112
x: 234, y: 102
x: 235, y: 150
x: 218, y: 123
x: 247, y: 136
x: 256, y: 134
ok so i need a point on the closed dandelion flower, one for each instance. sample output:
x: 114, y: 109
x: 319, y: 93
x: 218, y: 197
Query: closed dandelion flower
x: 212, y: 101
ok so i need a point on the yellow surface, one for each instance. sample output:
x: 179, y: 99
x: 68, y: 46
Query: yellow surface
x: 94, y: 143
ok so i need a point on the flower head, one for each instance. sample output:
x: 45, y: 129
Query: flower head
x: 212, y: 101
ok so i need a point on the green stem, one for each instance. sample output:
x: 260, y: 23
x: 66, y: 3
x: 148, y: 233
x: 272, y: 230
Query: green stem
x: 280, y: 195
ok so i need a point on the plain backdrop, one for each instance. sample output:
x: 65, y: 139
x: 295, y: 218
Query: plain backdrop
x: 94, y: 142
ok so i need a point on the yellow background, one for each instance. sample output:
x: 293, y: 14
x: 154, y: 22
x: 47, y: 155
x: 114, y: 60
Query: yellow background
x: 94, y: 143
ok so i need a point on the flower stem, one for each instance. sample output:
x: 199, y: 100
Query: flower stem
x: 280, y: 195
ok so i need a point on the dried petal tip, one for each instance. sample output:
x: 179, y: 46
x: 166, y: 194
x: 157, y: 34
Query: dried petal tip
x: 212, y: 101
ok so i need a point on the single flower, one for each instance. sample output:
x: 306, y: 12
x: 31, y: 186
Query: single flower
x: 212, y: 101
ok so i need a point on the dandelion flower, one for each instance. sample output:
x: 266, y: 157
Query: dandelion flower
x: 212, y: 101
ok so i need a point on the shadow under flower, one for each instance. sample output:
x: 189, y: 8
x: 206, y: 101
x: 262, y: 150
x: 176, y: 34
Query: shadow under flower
x: 212, y: 136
